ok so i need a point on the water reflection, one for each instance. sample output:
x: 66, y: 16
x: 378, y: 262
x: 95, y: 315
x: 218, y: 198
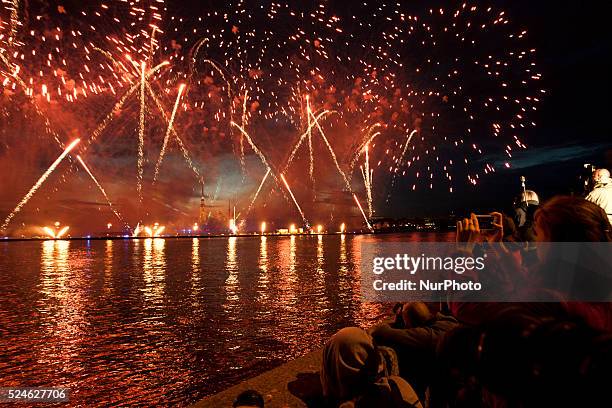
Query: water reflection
x: 154, y: 268
x: 320, y: 273
x: 195, y: 272
x: 292, y: 248
x: 195, y: 255
x: 287, y: 269
x: 262, y: 283
x: 344, y: 280
x: 108, y: 266
x: 54, y: 268
x: 232, y: 288
x: 343, y: 263
x: 143, y: 343
x: 63, y: 287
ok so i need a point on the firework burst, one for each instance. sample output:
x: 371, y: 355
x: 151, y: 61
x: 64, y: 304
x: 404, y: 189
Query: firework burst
x: 427, y: 97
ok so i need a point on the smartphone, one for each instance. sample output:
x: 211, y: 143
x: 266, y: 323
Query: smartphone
x: 485, y: 222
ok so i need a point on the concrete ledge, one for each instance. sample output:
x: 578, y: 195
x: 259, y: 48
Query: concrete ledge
x: 294, y: 384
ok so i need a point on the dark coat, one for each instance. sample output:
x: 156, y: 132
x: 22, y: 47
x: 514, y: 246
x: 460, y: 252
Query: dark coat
x: 523, y: 218
x: 416, y: 348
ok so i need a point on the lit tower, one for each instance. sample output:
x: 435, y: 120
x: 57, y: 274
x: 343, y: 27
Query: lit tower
x: 233, y: 227
x: 203, y: 216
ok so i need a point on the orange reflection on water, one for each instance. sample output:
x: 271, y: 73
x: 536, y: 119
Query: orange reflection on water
x: 292, y: 257
x: 154, y: 270
x: 63, y: 285
x: 262, y: 282
x: 54, y: 267
x: 320, y: 272
x: 232, y: 287
x: 195, y: 272
x: 343, y: 259
x: 108, y: 266
x: 195, y: 258
x: 344, y: 280
x: 195, y: 255
x: 287, y: 280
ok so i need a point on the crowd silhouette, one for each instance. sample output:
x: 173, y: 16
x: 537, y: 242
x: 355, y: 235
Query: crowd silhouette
x: 490, y: 354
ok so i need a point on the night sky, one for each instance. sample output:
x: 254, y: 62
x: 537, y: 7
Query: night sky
x: 573, y: 127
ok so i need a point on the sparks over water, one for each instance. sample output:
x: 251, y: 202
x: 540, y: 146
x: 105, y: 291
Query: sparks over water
x: 95, y: 180
x: 141, y: 132
x: 39, y: 183
x: 367, y: 175
x: 295, y: 201
x: 367, y: 222
x: 432, y: 94
x: 167, y: 136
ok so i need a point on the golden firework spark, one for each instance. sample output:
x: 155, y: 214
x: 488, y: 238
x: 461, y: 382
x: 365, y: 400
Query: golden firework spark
x: 110, y: 204
x: 363, y: 213
x: 167, y: 136
x: 294, y: 200
x: 39, y: 183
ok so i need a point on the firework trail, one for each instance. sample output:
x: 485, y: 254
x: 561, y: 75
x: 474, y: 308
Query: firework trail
x: 301, y: 139
x: 110, y: 116
x: 49, y: 129
x: 310, y: 152
x: 220, y: 71
x: 167, y: 136
x: 182, y: 147
x: 370, y: 136
x: 14, y: 20
x: 110, y: 204
x: 194, y: 54
x: 37, y: 109
x: 362, y: 213
x: 61, y: 232
x: 407, y: 75
x: 347, y: 184
x: 214, y: 198
x: 53, y: 234
x: 244, y: 126
x: 49, y: 232
x: 294, y: 200
x: 229, y: 88
x: 263, y: 159
x: 141, y: 130
x: 56, y: 136
x: 263, y: 181
x: 404, y: 150
x: 154, y: 232
x: 39, y: 183
x: 152, y: 44
x: 255, y: 149
x: 104, y: 123
x: 401, y: 157
x: 367, y: 180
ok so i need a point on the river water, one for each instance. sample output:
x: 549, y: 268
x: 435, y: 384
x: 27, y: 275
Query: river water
x: 170, y: 321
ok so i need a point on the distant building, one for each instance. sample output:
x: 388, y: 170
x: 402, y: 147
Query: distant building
x: 203, y: 216
x: 411, y: 224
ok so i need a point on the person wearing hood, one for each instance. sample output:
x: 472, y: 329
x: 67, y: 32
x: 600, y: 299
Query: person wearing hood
x: 602, y: 192
x: 354, y: 374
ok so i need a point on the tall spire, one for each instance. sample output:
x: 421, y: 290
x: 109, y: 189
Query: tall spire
x: 203, y: 216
